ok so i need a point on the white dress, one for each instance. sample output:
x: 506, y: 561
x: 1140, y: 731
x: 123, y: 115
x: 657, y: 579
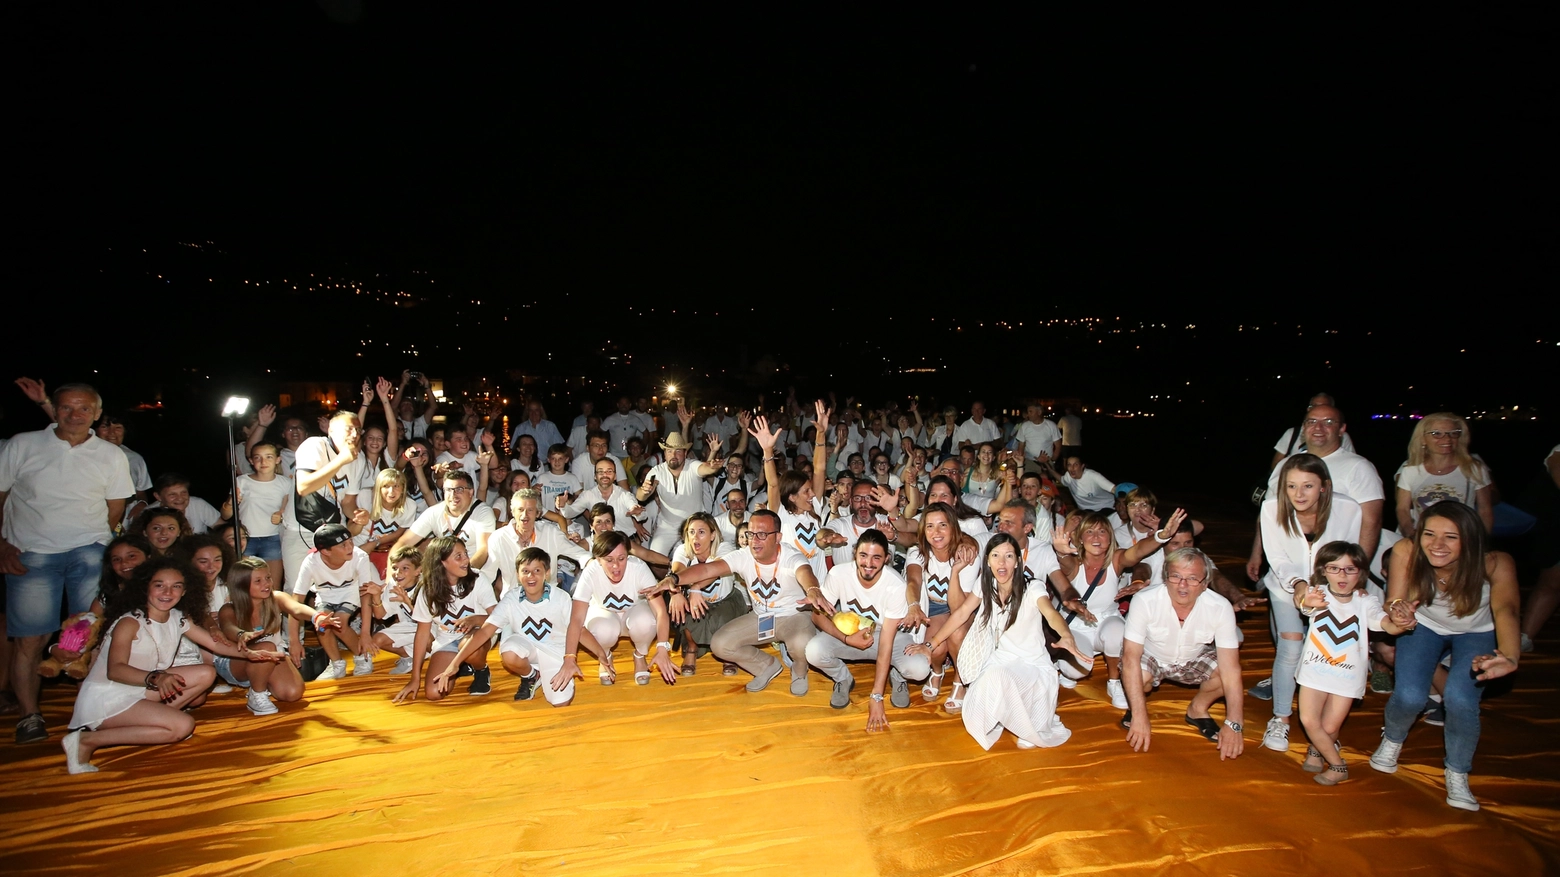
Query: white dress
x: 1017, y: 690
x: 153, y: 648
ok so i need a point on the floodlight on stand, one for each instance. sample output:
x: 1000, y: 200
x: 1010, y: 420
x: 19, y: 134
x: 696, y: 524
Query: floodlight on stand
x: 236, y: 406
x: 671, y: 389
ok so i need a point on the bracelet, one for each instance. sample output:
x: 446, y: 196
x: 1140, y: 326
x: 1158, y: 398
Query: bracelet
x: 664, y: 645
x: 674, y: 578
x: 151, y: 679
x: 877, y: 697
x: 1161, y: 539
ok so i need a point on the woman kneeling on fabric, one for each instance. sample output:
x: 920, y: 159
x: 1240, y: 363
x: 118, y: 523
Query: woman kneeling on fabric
x: 131, y: 697
x: 253, y: 617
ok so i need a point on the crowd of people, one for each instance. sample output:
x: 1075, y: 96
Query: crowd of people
x: 984, y: 562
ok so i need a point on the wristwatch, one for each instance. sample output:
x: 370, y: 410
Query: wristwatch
x: 1233, y: 726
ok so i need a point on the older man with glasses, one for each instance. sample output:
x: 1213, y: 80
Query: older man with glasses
x: 1183, y: 633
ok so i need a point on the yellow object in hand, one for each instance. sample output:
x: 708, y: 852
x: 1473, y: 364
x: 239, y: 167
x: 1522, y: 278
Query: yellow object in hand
x: 851, y: 622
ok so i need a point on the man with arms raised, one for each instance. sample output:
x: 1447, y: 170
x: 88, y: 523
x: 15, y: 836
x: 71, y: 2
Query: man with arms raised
x: 676, y: 486
x: 1184, y: 633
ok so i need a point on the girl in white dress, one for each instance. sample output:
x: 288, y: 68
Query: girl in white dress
x: 1016, y: 688
x: 1335, y: 662
x: 130, y: 696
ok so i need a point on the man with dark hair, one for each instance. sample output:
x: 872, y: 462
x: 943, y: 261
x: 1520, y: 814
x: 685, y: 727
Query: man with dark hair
x: 62, y: 493
x: 597, y: 443
x: 329, y: 470
x: 450, y: 518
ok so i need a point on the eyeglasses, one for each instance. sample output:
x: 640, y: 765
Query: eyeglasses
x: 1176, y: 578
x: 457, y: 490
x: 1312, y: 421
x: 1440, y: 433
x: 1140, y: 505
x: 762, y: 534
x: 1333, y: 570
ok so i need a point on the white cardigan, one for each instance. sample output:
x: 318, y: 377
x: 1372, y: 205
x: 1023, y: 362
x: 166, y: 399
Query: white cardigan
x: 1292, y: 557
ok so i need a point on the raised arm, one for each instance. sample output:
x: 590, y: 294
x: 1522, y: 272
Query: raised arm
x: 766, y: 442
x: 1129, y: 557
x: 820, y: 452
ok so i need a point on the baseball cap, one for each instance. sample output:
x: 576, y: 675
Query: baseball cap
x: 331, y: 535
x: 1124, y: 488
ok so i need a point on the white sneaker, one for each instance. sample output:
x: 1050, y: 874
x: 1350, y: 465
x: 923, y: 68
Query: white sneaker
x: 1065, y: 681
x: 1526, y: 643
x: 1118, y: 695
x: 260, y: 704
x: 362, y: 665
x: 336, y: 670
x: 1457, y: 793
x: 1385, y: 757
x: 1276, y: 737
x: 221, y: 688
x: 402, y: 667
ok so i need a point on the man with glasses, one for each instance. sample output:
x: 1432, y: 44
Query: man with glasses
x: 527, y: 530
x: 448, y: 518
x: 608, y: 489
x: 864, y: 516
x: 1290, y: 443
x: 1186, y: 634
x: 780, y: 585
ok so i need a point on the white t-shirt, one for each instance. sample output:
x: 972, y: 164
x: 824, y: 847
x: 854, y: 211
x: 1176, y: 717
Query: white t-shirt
x: 1292, y: 557
x: 437, y: 522
x: 584, y: 468
x: 504, y: 551
x: 728, y: 533
x: 852, y: 531
x: 1425, y: 490
x: 1127, y: 536
x: 261, y: 500
x: 1037, y: 437
x: 142, y: 477
x: 1039, y: 562
x: 620, y: 428
x: 545, y: 622
x: 680, y: 495
x: 338, y: 586
x: 390, y: 521
x: 885, y: 599
x: 1352, y: 475
x: 595, y: 588
x: 468, y: 463
x: 1153, y: 624
x: 323, y: 506
x: 553, y: 485
x: 1335, y: 659
x: 725, y: 428
x: 202, y: 515
x: 480, y: 601
x: 976, y: 433
x: 800, y: 533
x: 937, y: 576
x: 772, y: 586
x: 1093, y: 492
x: 414, y: 429
x: 622, y: 502
x: 59, y: 494
x: 711, y: 591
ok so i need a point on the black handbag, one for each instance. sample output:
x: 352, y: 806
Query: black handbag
x: 314, y: 663
x: 1259, y: 492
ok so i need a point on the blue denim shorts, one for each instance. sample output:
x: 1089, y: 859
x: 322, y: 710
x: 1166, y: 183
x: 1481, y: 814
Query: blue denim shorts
x: 265, y: 547
x: 936, y: 609
x: 34, y: 599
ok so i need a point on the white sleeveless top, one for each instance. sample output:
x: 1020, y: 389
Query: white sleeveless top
x: 1438, y: 616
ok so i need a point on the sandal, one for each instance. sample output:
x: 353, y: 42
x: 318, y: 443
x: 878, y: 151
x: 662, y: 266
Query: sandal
x: 933, y: 686
x: 641, y: 677
x: 1314, y: 762
x: 606, y: 674
x: 728, y: 670
x: 955, y: 702
x: 688, y: 668
x: 1333, y: 775
x: 1206, y: 727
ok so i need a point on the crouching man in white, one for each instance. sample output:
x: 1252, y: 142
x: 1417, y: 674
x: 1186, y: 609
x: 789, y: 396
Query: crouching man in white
x: 870, y: 589
x: 537, y: 614
x: 610, y: 599
x: 1184, y: 633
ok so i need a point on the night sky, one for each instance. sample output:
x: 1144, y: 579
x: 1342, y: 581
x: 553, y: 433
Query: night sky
x: 822, y: 200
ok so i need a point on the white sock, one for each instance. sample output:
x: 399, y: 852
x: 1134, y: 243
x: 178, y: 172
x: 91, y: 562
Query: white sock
x: 1436, y: 698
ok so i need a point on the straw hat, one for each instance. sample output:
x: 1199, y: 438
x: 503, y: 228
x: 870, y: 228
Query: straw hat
x: 675, y: 442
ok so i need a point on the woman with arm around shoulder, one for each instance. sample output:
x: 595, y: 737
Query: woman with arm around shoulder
x: 131, y: 696
x: 1464, y: 599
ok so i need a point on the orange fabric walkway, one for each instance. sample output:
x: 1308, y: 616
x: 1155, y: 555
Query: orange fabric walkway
x: 704, y: 778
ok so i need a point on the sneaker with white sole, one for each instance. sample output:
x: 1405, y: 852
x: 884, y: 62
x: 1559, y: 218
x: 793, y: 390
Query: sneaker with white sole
x: 1262, y: 690
x: 899, y: 690
x: 1457, y: 792
x: 402, y: 667
x: 1385, y: 758
x: 336, y: 670
x: 1118, y: 694
x: 362, y: 665
x: 1435, y: 714
x: 1276, y: 737
x: 260, y: 704
x: 840, y: 699
x: 221, y: 688
x: 1066, y: 681
x: 481, y: 682
x: 75, y: 764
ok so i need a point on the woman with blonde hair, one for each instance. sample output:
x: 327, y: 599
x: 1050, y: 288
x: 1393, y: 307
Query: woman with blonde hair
x: 252, y: 617
x: 1439, y: 467
x: 392, y: 514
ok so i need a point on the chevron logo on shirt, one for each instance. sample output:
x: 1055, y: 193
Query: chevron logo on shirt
x: 536, y: 629
x: 937, y: 588
x: 338, y: 484
x: 617, y: 602
x: 864, y: 611
x: 451, y: 616
x: 766, y: 590
x: 1331, y: 636
x: 384, y: 528
x: 807, y: 538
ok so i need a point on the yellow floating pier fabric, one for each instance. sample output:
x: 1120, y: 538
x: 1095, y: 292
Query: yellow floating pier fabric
x: 705, y: 778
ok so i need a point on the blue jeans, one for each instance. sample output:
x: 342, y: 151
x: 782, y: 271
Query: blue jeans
x: 1418, y: 653
x: 33, y: 599
x: 1286, y: 652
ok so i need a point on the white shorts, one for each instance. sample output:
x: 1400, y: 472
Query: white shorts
x: 545, y: 659
x: 401, y: 634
